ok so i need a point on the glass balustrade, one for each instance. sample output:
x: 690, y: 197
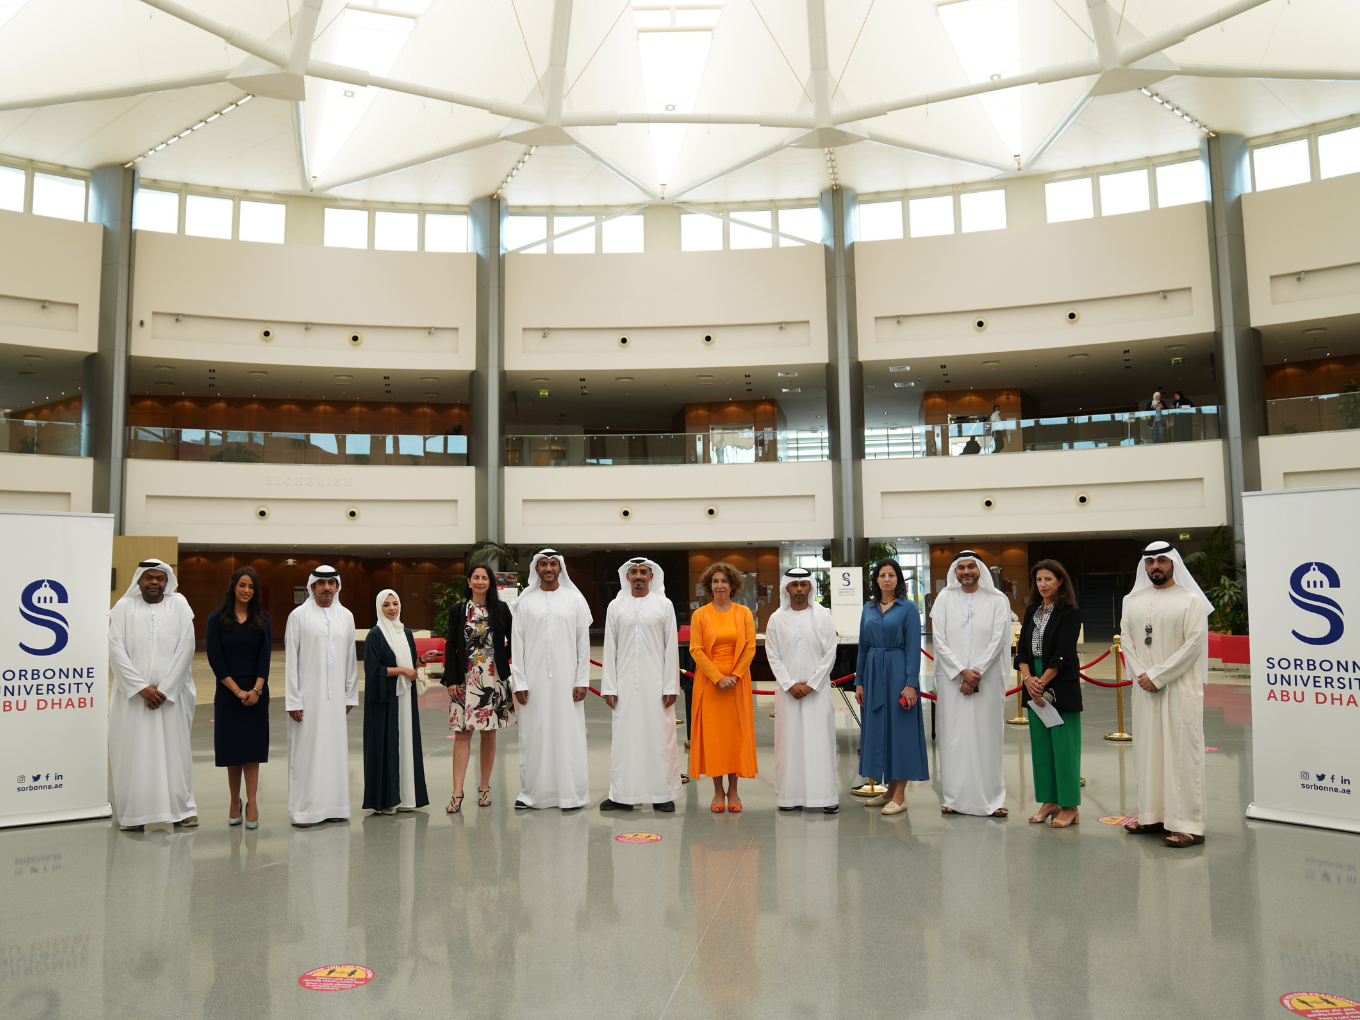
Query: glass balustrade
x: 720, y: 446
x: 1330, y: 412
x: 54, y: 438
x: 1023, y: 435
x: 230, y: 446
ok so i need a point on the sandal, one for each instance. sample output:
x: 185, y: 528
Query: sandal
x: 1139, y: 829
x: 1001, y: 812
x: 1043, y: 816
x: 484, y: 797
x: 947, y: 810
x: 717, y: 807
x: 455, y: 805
x: 1076, y: 820
x: 1181, y: 840
x: 733, y: 809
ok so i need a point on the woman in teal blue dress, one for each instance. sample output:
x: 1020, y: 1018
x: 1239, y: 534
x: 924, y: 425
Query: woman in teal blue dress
x: 892, y: 746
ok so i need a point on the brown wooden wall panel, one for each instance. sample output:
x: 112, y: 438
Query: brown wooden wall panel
x: 257, y: 415
x: 1311, y: 378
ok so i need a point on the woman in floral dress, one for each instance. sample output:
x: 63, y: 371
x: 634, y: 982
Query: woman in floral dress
x: 477, y: 674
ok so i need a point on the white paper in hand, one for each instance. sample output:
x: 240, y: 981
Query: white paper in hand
x: 1048, y: 715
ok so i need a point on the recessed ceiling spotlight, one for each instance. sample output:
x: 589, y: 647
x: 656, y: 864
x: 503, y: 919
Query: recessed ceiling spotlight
x: 34, y: 357
x: 1071, y: 357
x: 902, y: 385
x: 704, y: 378
x: 1314, y: 329
x: 623, y: 378
x: 901, y: 368
x: 1176, y: 347
x: 796, y: 389
x: 431, y: 393
x: 1324, y: 348
x: 540, y: 379
x: 787, y: 375
x: 992, y: 364
x: 343, y: 378
x: 165, y: 368
x: 257, y: 374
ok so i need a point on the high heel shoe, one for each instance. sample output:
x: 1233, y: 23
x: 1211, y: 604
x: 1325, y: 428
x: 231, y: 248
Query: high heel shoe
x: 238, y: 818
x: 253, y: 825
x: 1076, y: 820
x: 1043, y: 815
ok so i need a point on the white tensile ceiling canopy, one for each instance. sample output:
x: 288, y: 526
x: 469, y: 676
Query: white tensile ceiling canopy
x: 439, y: 101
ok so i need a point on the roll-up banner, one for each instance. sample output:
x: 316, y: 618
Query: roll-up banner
x: 847, y: 599
x: 1303, y: 591
x: 54, y: 667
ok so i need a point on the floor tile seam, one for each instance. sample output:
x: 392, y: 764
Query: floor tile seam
x: 697, y: 945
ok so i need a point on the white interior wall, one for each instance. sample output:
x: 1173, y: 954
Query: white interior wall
x: 1024, y: 279
x: 55, y: 261
x: 1310, y: 459
x: 227, y: 291
x: 36, y: 482
x: 1170, y: 486
x: 1311, y: 228
x: 213, y: 504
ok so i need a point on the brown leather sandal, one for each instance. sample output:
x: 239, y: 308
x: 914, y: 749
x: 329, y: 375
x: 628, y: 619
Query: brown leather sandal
x: 1139, y: 829
x: 1181, y: 840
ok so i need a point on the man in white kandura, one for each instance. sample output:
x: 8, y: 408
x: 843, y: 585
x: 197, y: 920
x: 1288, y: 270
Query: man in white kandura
x: 639, y: 680
x: 321, y: 685
x: 972, y: 624
x: 800, y: 643
x: 550, y: 665
x: 1165, y: 640
x: 151, y: 706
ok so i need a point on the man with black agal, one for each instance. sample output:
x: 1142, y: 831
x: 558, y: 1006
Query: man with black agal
x: 1165, y: 641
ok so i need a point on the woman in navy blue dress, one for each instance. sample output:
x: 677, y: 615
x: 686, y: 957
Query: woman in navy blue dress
x: 240, y: 635
x: 892, y: 746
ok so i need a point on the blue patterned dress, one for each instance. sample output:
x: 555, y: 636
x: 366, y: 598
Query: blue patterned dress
x: 892, y: 739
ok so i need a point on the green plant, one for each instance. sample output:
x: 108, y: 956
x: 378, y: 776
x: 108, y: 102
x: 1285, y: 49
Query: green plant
x: 446, y: 596
x: 236, y: 453
x: 29, y: 444
x: 1214, y: 566
x: 1349, y: 405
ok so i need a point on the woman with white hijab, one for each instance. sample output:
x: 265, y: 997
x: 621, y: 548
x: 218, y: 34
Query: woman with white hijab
x: 394, y: 773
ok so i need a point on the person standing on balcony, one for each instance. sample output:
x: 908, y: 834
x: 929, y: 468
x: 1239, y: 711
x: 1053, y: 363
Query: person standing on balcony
x: 550, y: 664
x: 800, y: 643
x: 1158, y: 406
x: 240, y: 634
x: 477, y: 675
x: 639, y: 681
x: 998, y: 435
x: 972, y: 625
x: 1165, y: 641
x: 723, y: 643
x: 151, y: 705
x: 394, y: 765
x: 892, y: 746
x: 321, y: 686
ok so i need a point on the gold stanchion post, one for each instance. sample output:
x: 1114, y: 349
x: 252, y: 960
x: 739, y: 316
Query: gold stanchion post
x: 1119, y: 733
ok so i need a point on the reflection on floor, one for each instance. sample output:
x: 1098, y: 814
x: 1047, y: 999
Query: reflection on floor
x: 497, y: 913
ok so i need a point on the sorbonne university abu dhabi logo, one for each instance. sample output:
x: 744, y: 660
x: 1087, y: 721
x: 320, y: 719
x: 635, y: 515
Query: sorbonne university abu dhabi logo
x: 37, y: 606
x: 1306, y: 587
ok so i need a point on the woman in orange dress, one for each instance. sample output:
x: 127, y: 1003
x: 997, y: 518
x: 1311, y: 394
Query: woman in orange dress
x: 723, y: 732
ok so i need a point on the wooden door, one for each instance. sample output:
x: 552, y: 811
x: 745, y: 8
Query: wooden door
x: 415, y: 597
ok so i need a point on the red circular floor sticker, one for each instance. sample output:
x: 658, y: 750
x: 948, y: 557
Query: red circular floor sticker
x: 637, y: 837
x: 339, y: 978
x: 1211, y: 749
x: 1318, y: 1004
x: 1119, y: 819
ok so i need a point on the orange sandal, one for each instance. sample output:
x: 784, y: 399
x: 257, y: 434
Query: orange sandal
x: 717, y: 808
x: 734, y: 809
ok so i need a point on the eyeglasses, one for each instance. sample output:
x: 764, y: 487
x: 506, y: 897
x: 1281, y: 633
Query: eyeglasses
x: 1148, y: 630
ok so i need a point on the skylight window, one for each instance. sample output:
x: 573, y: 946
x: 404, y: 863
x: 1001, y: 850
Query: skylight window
x: 446, y: 232
x: 623, y: 234
x: 744, y: 237
x: 880, y: 221
x: 395, y: 231
x: 207, y: 217
x: 346, y: 228
x: 1180, y: 183
x: 986, y: 38
x: 1069, y: 200
x: 931, y: 216
x: 62, y: 197
x: 262, y: 221
x: 522, y: 230
x: 983, y: 210
x: 672, y: 66
x: 807, y: 223
x: 1278, y: 166
x: 156, y: 210
x: 1124, y: 193
x: 700, y: 233
x: 11, y: 187
x: 1339, y: 153
x: 580, y: 243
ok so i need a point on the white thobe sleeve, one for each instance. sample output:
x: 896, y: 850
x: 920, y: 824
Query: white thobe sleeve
x: 292, y: 647
x: 1184, y: 657
x: 519, y: 679
x: 944, y: 655
x: 825, y: 627
x: 352, y: 665
x: 1001, y: 632
x: 1128, y: 642
x: 583, y: 621
x: 179, y: 670
x: 609, y: 669
x: 775, y: 633
x: 127, y: 680
x: 670, y: 680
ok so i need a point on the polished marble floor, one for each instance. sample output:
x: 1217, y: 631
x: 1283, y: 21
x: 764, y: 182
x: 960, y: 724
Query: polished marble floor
x: 497, y: 913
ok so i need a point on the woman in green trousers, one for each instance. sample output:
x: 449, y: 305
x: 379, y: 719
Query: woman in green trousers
x: 1046, y: 656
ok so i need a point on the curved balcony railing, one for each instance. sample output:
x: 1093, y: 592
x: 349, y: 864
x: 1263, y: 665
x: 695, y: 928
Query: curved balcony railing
x: 53, y: 438
x: 734, y: 446
x: 225, y: 446
x: 1330, y: 412
x: 1024, y: 435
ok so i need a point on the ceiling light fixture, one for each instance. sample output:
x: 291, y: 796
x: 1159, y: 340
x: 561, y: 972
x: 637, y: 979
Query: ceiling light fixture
x: 831, y: 169
x: 787, y: 375
x: 514, y: 170
x: 1178, y: 111
x: 900, y: 368
x: 189, y: 130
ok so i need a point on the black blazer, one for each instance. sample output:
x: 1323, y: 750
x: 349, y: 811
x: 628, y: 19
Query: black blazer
x: 1060, y: 651
x: 455, y: 651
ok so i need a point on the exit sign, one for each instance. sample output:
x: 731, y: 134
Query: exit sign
x: 1178, y: 361
x: 1185, y: 536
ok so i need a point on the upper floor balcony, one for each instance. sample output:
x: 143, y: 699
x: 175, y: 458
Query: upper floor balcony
x: 225, y: 446
x: 717, y: 446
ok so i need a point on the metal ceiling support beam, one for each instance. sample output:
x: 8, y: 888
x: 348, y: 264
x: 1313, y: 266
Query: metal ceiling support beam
x: 844, y: 375
x: 555, y: 75
x: 1104, y: 32
x: 1298, y: 73
x: 819, y: 79
x: 618, y: 171
x: 1066, y: 121
x: 300, y: 144
x: 584, y: 226
x: 116, y: 92
x: 606, y: 118
x: 930, y: 150
x: 234, y: 36
x: 1058, y: 72
x: 304, y: 35
x: 731, y: 168
x: 361, y: 78
x: 1172, y: 36
x: 406, y: 164
x: 741, y: 223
